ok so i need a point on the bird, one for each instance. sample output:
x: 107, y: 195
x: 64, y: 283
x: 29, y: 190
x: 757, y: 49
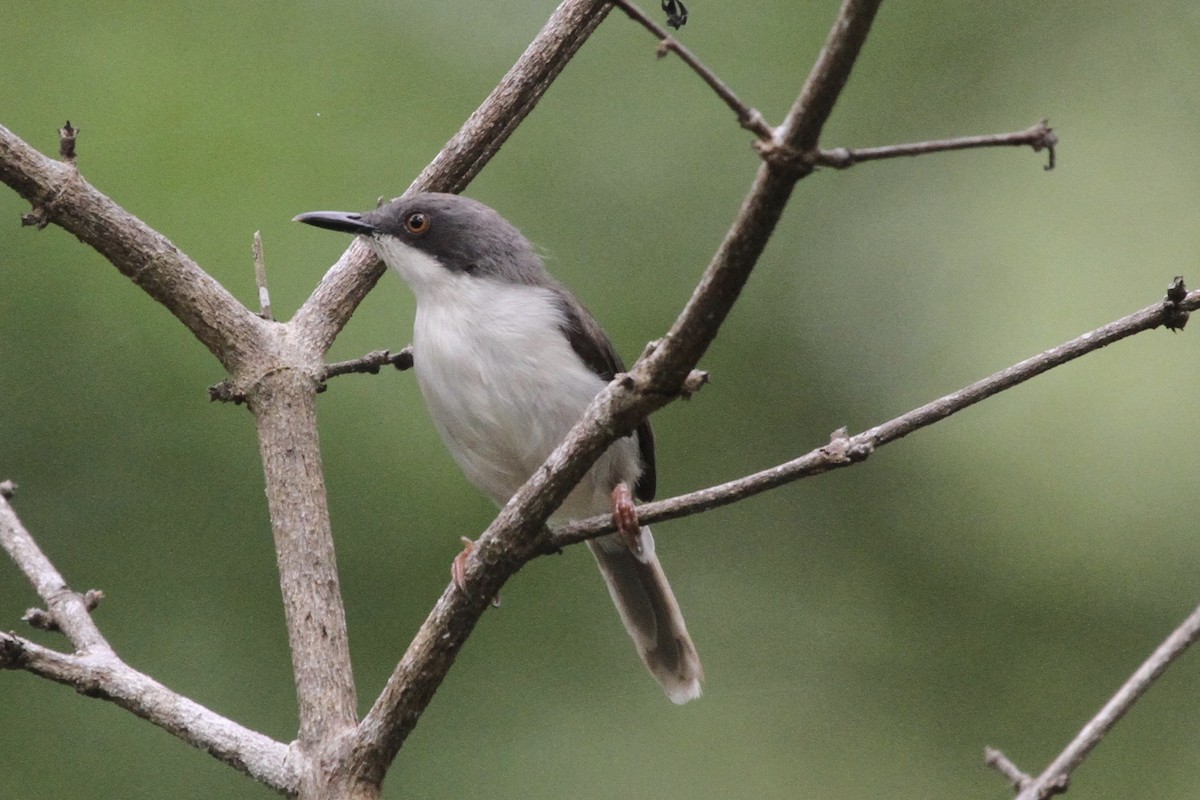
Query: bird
x: 507, y: 359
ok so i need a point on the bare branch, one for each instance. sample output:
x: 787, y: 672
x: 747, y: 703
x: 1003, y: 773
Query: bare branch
x: 68, y: 610
x: 1038, y: 136
x: 843, y: 450
x: 59, y: 194
x: 260, y: 278
x: 749, y: 118
x: 1001, y: 763
x: 517, y: 532
x: 284, y: 407
x: 1056, y: 777
x: 103, y: 675
x: 370, y: 363
x: 802, y: 128
x: 44, y: 621
x: 347, y: 282
x: 96, y: 671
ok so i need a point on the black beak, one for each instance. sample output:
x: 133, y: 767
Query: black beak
x: 337, y: 221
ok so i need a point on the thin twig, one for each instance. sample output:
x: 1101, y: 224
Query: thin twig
x: 260, y: 278
x: 1001, y: 763
x: 842, y: 451
x: 1038, y: 136
x: 370, y: 363
x: 1056, y: 777
x: 748, y: 117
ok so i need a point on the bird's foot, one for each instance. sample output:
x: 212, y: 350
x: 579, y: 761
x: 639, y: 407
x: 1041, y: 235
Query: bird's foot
x: 625, y: 517
x: 458, y: 570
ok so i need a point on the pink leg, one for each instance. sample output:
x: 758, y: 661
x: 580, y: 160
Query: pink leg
x: 458, y: 570
x: 625, y: 517
x: 458, y: 567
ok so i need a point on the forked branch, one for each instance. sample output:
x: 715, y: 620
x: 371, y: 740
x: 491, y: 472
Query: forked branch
x: 95, y: 670
x: 844, y: 450
x: 1057, y: 777
x: 516, y: 535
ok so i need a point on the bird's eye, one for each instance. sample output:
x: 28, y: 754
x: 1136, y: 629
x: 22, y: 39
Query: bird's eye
x: 416, y: 223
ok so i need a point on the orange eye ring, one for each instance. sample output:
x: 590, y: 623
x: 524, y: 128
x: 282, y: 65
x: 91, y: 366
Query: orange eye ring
x: 416, y: 223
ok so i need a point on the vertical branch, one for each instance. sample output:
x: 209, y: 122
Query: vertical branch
x: 284, y: 406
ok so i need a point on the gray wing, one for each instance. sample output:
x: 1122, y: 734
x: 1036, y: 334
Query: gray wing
x: 592, y: 345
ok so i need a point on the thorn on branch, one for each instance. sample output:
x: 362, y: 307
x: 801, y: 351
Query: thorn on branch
x: 224, y: 392
x: 693, y: 383
x: 1174, y: 317
x: 36, y: 218
x: 1044, y: 139
x: 1001, y: 763
x: 11, y: 652
x: 8, y: 490
x: 66, y: 141
x: 44, y: 621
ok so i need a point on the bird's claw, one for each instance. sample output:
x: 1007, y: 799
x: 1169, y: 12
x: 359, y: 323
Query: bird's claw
x: 625, y: 518
x: 458, y: 570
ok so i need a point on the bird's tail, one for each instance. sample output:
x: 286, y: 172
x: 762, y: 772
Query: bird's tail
x: 640, y: 590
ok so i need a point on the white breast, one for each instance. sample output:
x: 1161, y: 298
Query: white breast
x: 503, y: 384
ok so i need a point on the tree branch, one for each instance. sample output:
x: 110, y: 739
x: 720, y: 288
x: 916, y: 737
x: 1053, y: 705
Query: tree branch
x: 516, y: 533
x: 96, y: 671
x: 1056, y: 777
x: 59, y: 194
x: 347, y: 282
x: 370, y: 363
x: 749, y: 118
x: 67, y: 609
x: 844, y: 450
x: 284, y: 407
x: 804, y: 123
x: 1038, y: 136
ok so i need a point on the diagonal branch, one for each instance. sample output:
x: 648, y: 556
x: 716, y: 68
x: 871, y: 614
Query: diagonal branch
x: 347, y: 282
x: 807, y: 118
x: 68, y: 609
x: 844, y: 450
x: 513, y: 537
x: 96, y: 671
x: 748, y: 117
x: 107, y: 677
x: 59, y: 194
x: 1056, y: 777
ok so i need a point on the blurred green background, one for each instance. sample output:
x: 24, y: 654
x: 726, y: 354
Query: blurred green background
x: 991, y: 580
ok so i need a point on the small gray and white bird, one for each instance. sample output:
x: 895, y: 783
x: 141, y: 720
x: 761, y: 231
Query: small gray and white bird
x: 507, y: 361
